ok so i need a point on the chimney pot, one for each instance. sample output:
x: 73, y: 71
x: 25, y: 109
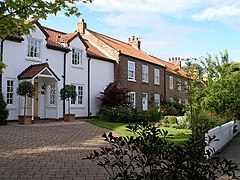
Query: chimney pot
x: 134, y: 42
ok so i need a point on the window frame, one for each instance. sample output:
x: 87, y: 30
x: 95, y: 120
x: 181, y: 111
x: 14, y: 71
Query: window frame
x: 170, y: 82
x: 157, y: 100
x: 144, y: 73
x: 133, y: 70
x: 10, y: 92
x: 80, y: 96
x: 156, y: 76
x: 133, y: 104
x: 33, y: 44
x: 77, y: 57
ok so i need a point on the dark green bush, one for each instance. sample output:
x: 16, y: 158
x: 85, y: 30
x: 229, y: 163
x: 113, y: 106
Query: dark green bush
x: 3, y: 111
x: 149, y: 155
x: 121, y: 114
x: 153, y: 115
x: 172, y: 109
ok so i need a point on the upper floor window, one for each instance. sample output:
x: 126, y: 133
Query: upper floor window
x: 79, y: 98
x: 144, y: 73
x: 156, y: 76
x: 131, y: 98
x: 170, y: 82
x: 157, y: 100
x: 186, y: 101
x: 34, y: 47
x: 76, y: 56
x: 10, y: 91
x: 131, y: 70
x: 179, y: 85
x: 186, y: 86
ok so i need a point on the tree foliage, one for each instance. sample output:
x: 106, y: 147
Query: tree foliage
x: 14, y: 13
x: 25, y: 89
x: 222, y: 87
x: 114, y: 96
x: 3, y: 110
x: 149, y: 155
x: 68, y: 93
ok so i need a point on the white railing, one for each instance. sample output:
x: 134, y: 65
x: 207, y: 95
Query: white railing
x: 223, y: 133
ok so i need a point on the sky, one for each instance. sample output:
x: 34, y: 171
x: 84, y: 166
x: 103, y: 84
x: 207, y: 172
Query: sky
x: 166, y: 28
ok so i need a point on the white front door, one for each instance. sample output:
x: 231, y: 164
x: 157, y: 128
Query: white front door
x: 144, y: 101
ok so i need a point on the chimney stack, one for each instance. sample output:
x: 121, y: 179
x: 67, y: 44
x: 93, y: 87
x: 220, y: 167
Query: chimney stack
x: 176, y: 61
x: 81, y: 26
x: 135, y: 42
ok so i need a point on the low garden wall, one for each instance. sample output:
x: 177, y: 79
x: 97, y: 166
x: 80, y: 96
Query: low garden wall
x: 223, y: 133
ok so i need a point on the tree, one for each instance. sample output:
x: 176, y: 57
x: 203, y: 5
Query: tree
x: 68, y: 93
x: 3, y: 110
x: 25, y: 89
x: 114, y: 96
x: 222, y: 88
x: 14, y: 13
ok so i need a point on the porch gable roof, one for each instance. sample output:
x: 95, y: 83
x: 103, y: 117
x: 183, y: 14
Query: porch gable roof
x: 33, y: 70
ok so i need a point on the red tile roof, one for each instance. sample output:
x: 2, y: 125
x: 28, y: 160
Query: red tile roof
x: 66, y: 38
x: 172, y: 68
x: 126, y: 48
x: 33, y: 70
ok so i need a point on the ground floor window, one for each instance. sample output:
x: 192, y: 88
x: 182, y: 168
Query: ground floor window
x: 132, y: 99
x: 157, y: 100
x: 10, y: 87
x: 79, y: 98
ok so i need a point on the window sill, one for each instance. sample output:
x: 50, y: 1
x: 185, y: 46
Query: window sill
x: 132, y: 80
x: 77, y: 66
x: 11, y: 107
x: 145, y: 82
x: 33, y: 59
x: 78, y: 107
x: 52, y: 106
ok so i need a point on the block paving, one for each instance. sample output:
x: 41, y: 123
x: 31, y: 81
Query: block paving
x: 50, y: 151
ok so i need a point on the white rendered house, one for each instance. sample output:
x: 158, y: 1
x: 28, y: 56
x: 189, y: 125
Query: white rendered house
x: 50, y: 59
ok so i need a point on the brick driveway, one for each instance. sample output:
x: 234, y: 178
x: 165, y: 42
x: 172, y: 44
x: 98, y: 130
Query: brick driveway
x: 50, y: 151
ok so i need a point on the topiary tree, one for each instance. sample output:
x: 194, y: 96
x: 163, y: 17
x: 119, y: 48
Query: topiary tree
x: 68, y: 93
x: 25, y: 89
x: 3, y: 111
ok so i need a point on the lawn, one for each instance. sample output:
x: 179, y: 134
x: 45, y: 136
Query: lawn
x: 180, y: 135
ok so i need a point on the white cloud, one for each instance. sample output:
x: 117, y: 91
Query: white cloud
x: 219, y: 13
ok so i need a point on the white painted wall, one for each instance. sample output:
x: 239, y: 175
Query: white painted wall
x: 102, y: 73
x: 78, y: 75
x: 223, y: 133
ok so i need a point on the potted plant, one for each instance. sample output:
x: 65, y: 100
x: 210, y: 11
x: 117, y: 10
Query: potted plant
x: 68, y: 93
x: 25, y: 89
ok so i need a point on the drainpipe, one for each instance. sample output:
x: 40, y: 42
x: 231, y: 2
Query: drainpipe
x: 1, y: 59
x: 64, y: 77
x: 89, y: 69
x: 164, y: 85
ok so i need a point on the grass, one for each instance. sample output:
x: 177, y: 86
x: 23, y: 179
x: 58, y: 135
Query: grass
x: 180, y: 135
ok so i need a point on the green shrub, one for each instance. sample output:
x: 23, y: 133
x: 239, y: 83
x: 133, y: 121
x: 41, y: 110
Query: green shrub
x: 171, y: 119
x: 3, y: 111
x: 184, y: 123
x: 174, y: 126
x: 152, y: 115
x: 166, y: 125
x: 149, y: 155
x: 120, y: 114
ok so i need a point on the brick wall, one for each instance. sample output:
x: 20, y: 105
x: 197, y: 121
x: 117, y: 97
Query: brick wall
x: 138, y: 86
x: 171, y: 93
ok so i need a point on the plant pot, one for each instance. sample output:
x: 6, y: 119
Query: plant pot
x: 69, y: 117
x: 25, y: 120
